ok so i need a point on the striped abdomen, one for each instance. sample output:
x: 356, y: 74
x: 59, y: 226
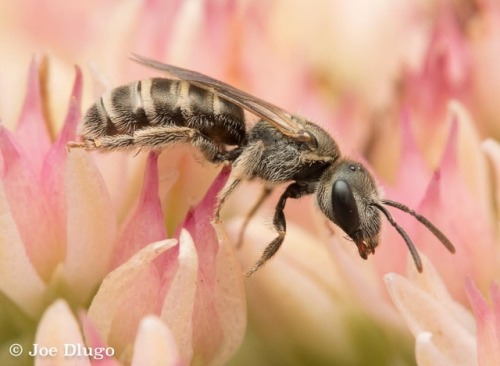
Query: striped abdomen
x: 159, y: 102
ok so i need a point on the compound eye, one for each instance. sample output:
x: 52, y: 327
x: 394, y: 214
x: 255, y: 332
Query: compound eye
x: 344, y: 207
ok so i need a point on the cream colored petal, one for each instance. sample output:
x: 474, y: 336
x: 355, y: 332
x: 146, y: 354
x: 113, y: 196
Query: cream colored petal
x: 230, y: 299
x: 19, y: 280
x: 430, y: 282
x: 471, y: 159
x: 427, y: 353
x: 300, y: 290
x: 177, y: 311
x: 90, y: 226
x: 59, y: 330
x: 186, y: 30
x: 492, y: 149
x: 109, y: 298
x: 155, y: 344
x: 424, y: 312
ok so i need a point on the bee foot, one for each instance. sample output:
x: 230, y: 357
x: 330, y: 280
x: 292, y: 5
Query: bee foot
x: 74, y: 145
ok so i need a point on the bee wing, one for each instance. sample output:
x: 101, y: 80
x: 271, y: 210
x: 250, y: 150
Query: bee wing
x: 278, y: 117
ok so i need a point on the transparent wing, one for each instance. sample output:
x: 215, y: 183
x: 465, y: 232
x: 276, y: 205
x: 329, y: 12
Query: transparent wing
x: 278, y: 117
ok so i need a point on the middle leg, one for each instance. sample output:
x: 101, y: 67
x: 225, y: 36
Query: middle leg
x: 294, y: 190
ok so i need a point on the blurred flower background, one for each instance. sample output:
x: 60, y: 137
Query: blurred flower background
x: 116, y: 250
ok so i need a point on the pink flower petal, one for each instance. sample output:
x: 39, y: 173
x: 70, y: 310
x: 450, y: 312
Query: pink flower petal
x: 58, y: 328
x: 484, y: 38
x: 94, y: 340
x: 229, y: 298
x: 430, y: 282
x: 146, y: 224
x: 177, y: 309
x: 153, y: 34
x: 470, y: 159
x: 412, y: 171
x: 31, y: 130
x: 411, y: 182
x: 52, y: 177
x: 302, y: 273
x: 445, y: 72
x: 431, y: 312
x: 135, y: 283
x: 219, y: 305
x: 444, y: 203
x: 155, y: 345
x: 492, y: 149
x: 90, y: 226
x: 427, y: 353
x: 28, y: 206
x: 19, y: 280
x: 495, y: 298
x: 488, y: 324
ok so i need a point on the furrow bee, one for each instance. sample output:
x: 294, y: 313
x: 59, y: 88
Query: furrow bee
x: 280, y: 148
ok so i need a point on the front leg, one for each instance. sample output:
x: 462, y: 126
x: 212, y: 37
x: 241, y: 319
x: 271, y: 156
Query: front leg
x: 294, y: 190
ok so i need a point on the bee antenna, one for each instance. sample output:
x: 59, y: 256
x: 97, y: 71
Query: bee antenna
x: 429, y: 225
x: 404, y: 235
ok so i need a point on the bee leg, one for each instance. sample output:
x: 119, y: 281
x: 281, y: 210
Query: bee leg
x: 157, y: 138
x: 294, y: 190
x: 222, y: 196
x: 264, y: 194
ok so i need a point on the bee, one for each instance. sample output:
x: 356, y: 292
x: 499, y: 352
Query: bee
x: 280, y: 148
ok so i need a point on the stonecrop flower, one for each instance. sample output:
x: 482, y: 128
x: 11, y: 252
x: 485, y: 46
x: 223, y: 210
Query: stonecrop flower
x: 60, y: 240
x: 113, y: 258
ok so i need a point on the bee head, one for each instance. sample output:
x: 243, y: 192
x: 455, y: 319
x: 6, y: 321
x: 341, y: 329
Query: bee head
x: 345, y: 195
x: 348, y: 196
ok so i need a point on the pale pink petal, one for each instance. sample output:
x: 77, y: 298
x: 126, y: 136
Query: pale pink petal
x: 430, y: 282
x: 58, y: 328
x: 495, y: 298
x: 447, y: 64
x: 127, y: 294
x: 471, y: 160
x: 427, y: 353
x: 28, y: 205
x: 301, y: 289
x: 94, y: 340
x: 153, y: 34
x: 362, y: 278
x: 52, y: 177
x: 488, y: 325
x: 19, y: 280
x: 446, y: 197
x: 183, y: 181
x: 115, y: 33
x: 186, y: 29
x: 219, y: 291
x: 412, y: 178
x: 230, y: 298
x: 146, y: 224
x: 484, y: 40
x: 413, y: 172
x: 445, y: 73
x: 428, y: 312
x: 177, y: 309
x: 492, y: 149
x: 155, y: 344
x: 90, y: 226
x: 31, y: 130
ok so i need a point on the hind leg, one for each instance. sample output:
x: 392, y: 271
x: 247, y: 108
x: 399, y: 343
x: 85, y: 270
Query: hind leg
x: 155, y: 138
x: 264, y: 194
